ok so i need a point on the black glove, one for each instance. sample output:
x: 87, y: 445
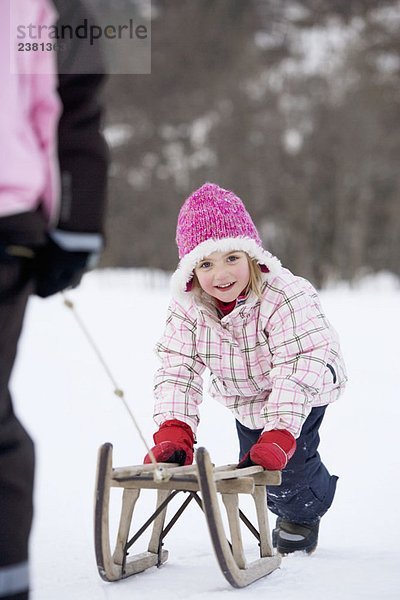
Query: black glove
x: 64, y: 259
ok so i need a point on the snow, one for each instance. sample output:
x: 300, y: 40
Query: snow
x: 66, y: 401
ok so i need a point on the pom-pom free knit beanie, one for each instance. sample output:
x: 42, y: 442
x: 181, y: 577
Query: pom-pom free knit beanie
x: 213, y: 219
x: 212, y: 213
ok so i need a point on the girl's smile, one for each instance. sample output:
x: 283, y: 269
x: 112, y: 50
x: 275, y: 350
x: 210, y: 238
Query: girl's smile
x: 224, y: 275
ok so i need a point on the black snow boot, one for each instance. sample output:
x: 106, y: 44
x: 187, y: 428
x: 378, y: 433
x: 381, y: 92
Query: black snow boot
x: 292, y: 537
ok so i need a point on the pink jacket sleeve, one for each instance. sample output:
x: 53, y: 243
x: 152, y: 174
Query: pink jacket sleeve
x: 178, y: 383
x: 299, y: 340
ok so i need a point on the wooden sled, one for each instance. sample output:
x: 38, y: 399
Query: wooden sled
x: 203, y: 482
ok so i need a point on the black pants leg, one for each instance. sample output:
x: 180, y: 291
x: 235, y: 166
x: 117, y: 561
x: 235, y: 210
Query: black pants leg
x: 307, y: 488
x: 16, y: 447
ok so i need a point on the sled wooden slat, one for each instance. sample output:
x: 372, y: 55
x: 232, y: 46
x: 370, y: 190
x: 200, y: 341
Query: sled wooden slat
x: 231, y: 502
x: 245, y: 485
x: 261, y: 476
x: 129, y: 499
x: 202, y: 482
x: 159, y: 522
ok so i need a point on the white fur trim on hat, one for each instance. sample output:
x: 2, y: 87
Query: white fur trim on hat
x: 184, y: 272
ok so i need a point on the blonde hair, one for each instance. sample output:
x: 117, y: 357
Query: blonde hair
x: 255, y: 279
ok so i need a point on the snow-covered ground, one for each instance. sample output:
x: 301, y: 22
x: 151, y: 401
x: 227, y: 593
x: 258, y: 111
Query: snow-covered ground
x: 66, y: 401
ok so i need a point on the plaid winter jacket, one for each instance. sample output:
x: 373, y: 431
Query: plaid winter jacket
x: 271, y: 359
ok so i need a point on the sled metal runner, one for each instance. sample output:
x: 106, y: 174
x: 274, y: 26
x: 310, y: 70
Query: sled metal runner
x: 203, y: 483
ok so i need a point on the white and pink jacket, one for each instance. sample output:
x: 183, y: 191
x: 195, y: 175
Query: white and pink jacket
x: 271, y: 360
x: 29, y: 112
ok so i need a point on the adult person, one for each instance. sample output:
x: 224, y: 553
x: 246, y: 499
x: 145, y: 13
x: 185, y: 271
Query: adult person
x: 53, y: 174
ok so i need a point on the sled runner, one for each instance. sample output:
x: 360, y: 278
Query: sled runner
x: 203, y: 483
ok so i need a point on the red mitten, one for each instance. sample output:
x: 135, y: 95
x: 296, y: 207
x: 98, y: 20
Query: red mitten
x: 272, y: 450
x: 174, y: 443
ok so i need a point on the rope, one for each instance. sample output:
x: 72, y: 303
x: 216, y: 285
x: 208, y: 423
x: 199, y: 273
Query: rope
x: 159, y: 473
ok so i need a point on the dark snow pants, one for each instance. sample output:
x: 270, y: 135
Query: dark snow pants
x: 16, y: 447
x: 307, y: 488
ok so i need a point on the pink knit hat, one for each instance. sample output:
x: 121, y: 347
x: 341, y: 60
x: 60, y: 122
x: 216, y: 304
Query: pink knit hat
x: 212, y: 213
x: 214, y: 219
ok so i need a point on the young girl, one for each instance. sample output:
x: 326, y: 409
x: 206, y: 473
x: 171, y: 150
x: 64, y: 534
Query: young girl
x: 274, y: 358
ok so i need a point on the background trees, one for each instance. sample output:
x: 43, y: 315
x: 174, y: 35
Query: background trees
x: 294, y: 105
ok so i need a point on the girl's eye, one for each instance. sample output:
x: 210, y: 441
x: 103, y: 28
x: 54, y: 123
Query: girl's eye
x: 233, y: 258
x: 205, y: 265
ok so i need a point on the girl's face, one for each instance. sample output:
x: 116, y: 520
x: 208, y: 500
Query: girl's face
x: 223, y: 275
